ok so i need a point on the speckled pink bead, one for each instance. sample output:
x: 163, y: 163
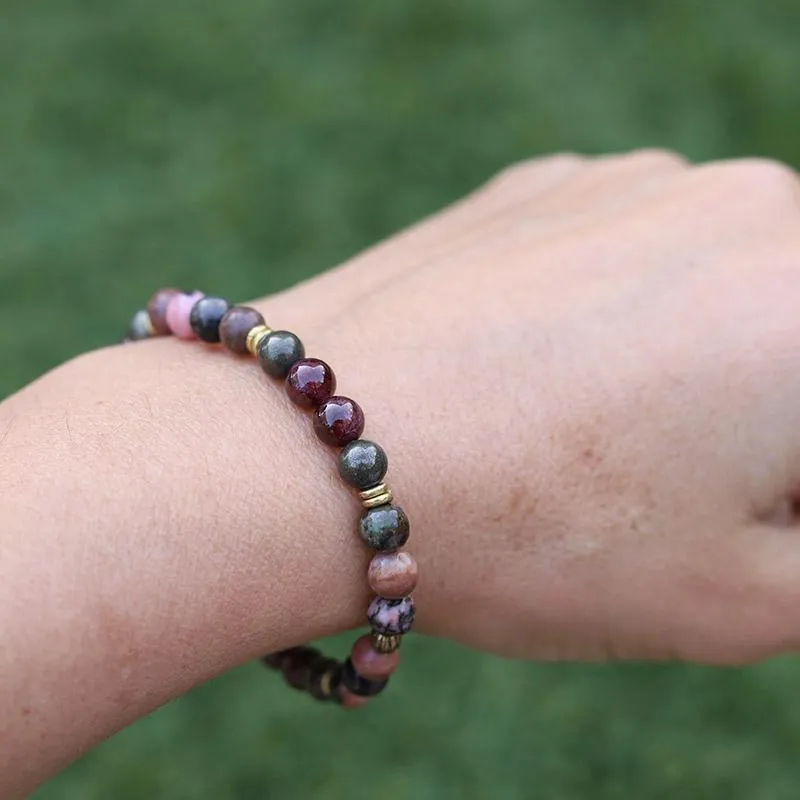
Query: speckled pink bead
x: 392, y: 574
x: 391, y: 617
x: 371, y: 664
x: 177, y: 315
x: 350, y: 700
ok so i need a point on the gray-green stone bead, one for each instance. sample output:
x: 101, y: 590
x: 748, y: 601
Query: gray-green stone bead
x: 278, y: 351
x: 140, y: 327
x: 363, y: 464
x: 384, y: 528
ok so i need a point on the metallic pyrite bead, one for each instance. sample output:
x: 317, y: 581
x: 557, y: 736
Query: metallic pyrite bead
x: 362, y: 464
x: 278, y: 351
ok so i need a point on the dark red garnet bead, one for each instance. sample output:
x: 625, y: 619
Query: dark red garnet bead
x: 310, y: 382
x: 339, y: 420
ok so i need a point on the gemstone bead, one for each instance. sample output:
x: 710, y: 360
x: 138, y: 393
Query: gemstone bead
x: 391, y: 617
x: 362, y: 464
x: 324, y: 680
x: 235, y: 325
x: 297, y: 666
x: 338, y: 420
x: 349, y: 700
x: 359, y: 685
x: 140, y: 327
x: 205, y: 317
x: 278, y: 351
x: 273, y: 660
x: 369, y: 663
x: 384, y: 528
x: 157, y: 310
x: 392, y: 575
x: 177, y: 315
x: 310, y: 382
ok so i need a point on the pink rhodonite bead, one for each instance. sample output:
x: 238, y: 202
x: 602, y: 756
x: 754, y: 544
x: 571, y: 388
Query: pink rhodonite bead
x: 392, y: 574
x: 177, y: 316
x: 350, y: 700
x: 371, y: 664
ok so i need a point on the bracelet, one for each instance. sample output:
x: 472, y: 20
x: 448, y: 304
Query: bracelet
x: 338, y: 421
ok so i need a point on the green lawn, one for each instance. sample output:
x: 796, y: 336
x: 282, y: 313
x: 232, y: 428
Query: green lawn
x: 242, y: 145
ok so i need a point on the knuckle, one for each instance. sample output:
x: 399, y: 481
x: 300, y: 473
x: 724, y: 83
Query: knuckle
x: 764, y: 179
x: 657, y: 157
x: 527, y: 172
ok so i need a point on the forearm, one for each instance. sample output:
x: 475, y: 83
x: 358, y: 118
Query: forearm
x: 166, y: 516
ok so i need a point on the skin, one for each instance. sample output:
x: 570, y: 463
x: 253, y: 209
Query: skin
x: 585, y: 375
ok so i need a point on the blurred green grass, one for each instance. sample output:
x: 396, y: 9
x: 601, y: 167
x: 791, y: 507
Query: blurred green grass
x: 246, y: 145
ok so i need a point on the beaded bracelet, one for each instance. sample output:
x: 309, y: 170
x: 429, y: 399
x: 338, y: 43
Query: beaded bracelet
x: 338, y: 421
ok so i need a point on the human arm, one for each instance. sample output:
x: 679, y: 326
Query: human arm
x: 585, y: 377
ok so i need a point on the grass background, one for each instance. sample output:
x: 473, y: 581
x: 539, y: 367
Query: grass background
x: 244, y: 145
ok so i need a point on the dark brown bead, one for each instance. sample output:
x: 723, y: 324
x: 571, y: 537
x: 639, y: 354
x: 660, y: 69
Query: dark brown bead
x: 324, y: 680
x: 339, y: 420
x: 157, y: 309
x: 297, y: 667
x: 236, y: 324
x: 310, y: 382
x: 273, y: 660
x: 359, y: 685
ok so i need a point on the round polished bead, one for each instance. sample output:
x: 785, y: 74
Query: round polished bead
x: 140, y: 327
x: 178, y: 311
x: 310, y: 382
x: 363, y: 464
x: 358, y: 684
x: 236, y: 324
x: 298, y: 664
x: 391, y: 617
x: 325, y: 678
x: 349, y: 700
x: 278, y: 351
x: 392, y: 575
x: 157, y: 310
x: 369, y: 663
x: 206, y: 316
x: 384, y: 528
x: 273, y: 660
x: 339, y: 420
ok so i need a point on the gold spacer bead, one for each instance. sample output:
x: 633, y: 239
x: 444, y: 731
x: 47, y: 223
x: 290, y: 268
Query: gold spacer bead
x: 149, y: 327
x: 325, y: 684
x: 379, y: 495
x: 385, y: 644
x: 255, y: 337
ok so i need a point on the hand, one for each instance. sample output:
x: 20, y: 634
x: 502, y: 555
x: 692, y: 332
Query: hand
x: 588, y: 376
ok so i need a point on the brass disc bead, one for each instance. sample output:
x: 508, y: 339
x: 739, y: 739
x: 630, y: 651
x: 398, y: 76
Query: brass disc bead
x: 385, y: 644
x: 255, y: 336
x: 379, y: 495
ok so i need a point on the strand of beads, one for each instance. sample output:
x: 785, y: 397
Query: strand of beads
x: 338, y: 421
